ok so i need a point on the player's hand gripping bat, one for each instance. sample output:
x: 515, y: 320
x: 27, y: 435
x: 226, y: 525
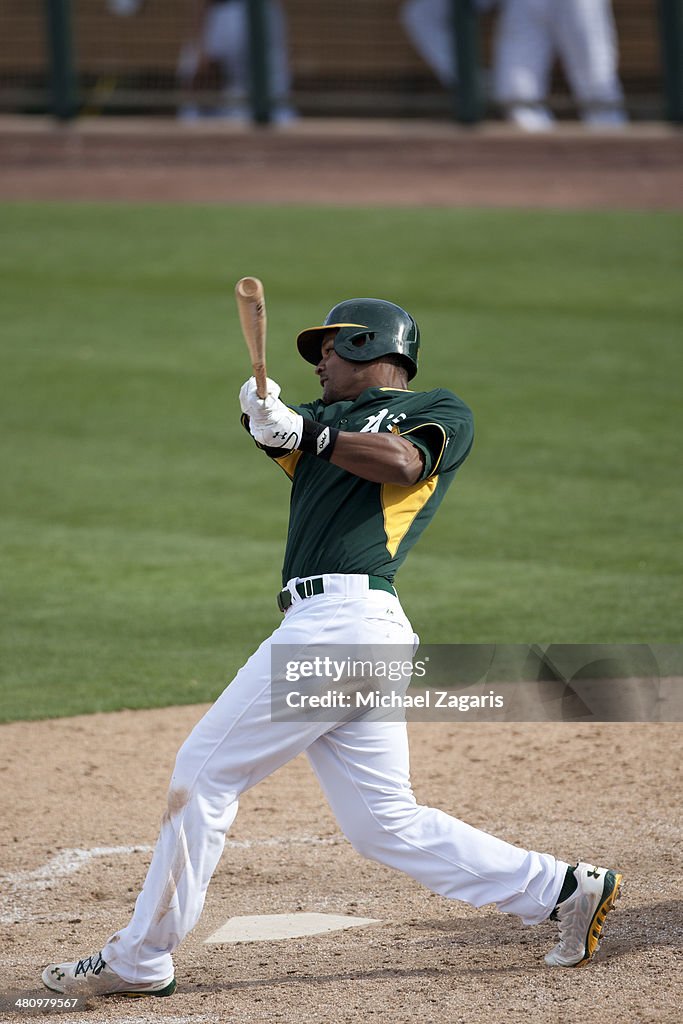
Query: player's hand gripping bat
x: 251, y: 304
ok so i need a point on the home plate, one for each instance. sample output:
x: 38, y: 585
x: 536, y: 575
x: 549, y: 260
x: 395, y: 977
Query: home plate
x: 267, y: 927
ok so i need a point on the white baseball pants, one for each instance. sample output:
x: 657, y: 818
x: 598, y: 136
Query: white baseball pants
x: 530, y: 33
x: 363, y: 769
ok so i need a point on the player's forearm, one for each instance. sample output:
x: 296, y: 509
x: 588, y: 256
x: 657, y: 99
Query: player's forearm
x: 382, y: 458
x: 277, y: 428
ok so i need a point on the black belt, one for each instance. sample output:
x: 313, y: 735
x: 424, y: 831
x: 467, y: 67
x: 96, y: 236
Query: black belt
x: 314, y: 585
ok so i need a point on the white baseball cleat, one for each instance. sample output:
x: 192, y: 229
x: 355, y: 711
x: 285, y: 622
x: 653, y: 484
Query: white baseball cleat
x: 531, y: 118
x: 582, y: 915
x: 91, y: 976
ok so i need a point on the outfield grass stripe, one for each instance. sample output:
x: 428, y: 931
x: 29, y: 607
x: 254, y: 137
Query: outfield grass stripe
x: 142, y: 534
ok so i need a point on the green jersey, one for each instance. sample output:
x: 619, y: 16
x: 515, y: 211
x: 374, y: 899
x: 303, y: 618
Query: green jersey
x: 341, y: 523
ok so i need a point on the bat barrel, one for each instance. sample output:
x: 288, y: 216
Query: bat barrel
x: 251, y: 305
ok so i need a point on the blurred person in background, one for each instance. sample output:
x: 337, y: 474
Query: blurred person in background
x: 530, y: 34
x: 124, y: 8
x: 428, y: 25
x: 220, y: 37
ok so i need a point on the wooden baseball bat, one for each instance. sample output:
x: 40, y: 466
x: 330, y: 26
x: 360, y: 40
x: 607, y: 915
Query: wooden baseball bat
x: 251, y: 305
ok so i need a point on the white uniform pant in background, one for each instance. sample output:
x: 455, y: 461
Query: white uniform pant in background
x: 226, y: 40
x: 429, y: 26
x: 531, y: 33
x: 363, y: 768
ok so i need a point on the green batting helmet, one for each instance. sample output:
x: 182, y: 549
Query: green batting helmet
x: 366, y: 330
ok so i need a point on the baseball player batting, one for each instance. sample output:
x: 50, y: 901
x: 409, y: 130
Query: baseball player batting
x: 369, y: 462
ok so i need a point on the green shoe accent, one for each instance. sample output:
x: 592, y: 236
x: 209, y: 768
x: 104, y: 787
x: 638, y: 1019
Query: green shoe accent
x: 568, y: 886
x: 168, y: 990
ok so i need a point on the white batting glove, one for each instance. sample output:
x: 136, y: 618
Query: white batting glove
x: 250, y: 403
x: 277, y: 426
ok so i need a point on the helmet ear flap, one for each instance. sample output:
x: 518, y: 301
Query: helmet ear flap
x: 360, y: 340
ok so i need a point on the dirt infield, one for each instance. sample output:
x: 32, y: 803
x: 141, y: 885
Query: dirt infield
x: 81, y: 817
x: 352, y: 162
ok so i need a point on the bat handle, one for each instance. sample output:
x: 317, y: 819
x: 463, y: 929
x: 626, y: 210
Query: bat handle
x: 260, y: 374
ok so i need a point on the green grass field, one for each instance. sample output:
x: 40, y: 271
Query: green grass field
x: 142, y: 533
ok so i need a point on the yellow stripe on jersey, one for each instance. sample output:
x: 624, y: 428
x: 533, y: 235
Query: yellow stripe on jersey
x: 400, y: 506
x: 288, y: 462
x: 404, y: 433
